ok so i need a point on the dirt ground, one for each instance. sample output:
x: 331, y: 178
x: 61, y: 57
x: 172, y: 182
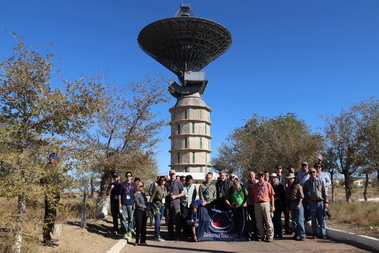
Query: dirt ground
x: 96, y: 237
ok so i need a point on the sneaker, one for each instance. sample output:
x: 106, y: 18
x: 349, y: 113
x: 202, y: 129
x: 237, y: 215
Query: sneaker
x: 143, y: 244
x: 302, y: 238
x: 314, y: 237
x: 269, y: 239
x: 295, y: 237
x: 129, y: 234
x: 323, y: 236
x: 159, y: 239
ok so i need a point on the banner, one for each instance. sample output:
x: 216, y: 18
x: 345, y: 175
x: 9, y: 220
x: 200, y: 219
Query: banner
x: 217, y: 225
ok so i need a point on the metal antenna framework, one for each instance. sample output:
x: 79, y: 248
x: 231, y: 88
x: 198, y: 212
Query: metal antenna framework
x: 184, y: 43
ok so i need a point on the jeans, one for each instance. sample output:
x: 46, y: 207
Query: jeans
x: 127, y: 219
x: 158, y: 219
x: 317, y: 213
x: 297, y: 216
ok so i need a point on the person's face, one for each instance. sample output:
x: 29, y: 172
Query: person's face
x: 172, y: 176
x: 54, y: 162
x: 162, y: 181
x: 140, y: 186
x: 116, y: 179
x: 261, y: 177
x: 222, y: 176
x: 129, y: 177
x: 189, y: 181
x: 252, y: 176
x: 236, y: 186
x: 318, y: 168
x: 279, y: 170
x: 304, y: 167
x: 267, y: 176
x: 194, y: 210
x: 312, y: 173
x: 208, y: 178
x: 232, y: 177
x: 291, y: 180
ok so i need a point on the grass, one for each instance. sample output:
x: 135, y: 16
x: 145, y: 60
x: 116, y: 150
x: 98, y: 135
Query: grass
x: 69, y: 207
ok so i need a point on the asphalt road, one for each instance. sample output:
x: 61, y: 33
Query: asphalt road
x: 283, y: 245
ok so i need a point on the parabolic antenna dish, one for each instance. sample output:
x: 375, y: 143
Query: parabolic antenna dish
x: 184, y: 43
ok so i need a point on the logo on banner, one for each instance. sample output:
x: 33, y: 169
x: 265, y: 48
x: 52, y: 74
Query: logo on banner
x: 221, y: 222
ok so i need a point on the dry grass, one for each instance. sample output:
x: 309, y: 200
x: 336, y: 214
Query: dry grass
x: 357, y: 217
x: 70, y: 207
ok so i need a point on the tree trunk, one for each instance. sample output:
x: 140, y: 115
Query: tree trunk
x: 21, y: 208
x: 347, y: 186
x: 332, y: 179
x: 366, y: 186
x: 92, y: 188
x: 84, y: 209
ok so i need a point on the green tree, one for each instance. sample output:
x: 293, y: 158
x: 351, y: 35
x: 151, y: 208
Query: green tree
x: 32, y: 117
x: 353, y: 138
x: 265, y: 142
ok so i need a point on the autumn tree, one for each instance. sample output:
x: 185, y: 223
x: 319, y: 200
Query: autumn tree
x: 34, y: 120
x: 265, y: 142
x: 352, y: 137
x: 126, y: 134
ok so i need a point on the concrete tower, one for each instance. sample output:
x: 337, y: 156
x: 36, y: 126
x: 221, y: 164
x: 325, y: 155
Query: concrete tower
x: 186, y: 44
x: 190, y: 136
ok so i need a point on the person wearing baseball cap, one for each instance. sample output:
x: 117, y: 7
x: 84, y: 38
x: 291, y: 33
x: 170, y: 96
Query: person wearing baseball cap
x: 174, y: 192
x: 295, y: 196
x: 113, y: 191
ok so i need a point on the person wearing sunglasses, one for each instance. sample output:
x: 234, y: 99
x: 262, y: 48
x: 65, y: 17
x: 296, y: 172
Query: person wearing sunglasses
x: 126, y: 203
x: 159, y: 198
x: 317, y: 197
x: 140, y: 214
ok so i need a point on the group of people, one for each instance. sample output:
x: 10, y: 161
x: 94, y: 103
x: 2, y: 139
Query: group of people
x: 264, y: 197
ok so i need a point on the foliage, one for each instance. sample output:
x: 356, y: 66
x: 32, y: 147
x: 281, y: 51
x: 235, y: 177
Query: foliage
x: 265, y: 142
x: 126, y: 134
x: 353, y: 140
x: 35, y: 119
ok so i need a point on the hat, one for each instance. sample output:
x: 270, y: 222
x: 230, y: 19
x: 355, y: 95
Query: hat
x: 291, y: 175
x: 115, y: 175
x: 53, y: 156
x: 304, y: 163
x: 273, y: 175
x: 171, y: 172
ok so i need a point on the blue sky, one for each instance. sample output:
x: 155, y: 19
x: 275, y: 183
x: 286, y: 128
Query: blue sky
x: 311, y: 58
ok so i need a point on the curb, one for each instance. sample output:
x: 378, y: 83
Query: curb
x: 340, y: 235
